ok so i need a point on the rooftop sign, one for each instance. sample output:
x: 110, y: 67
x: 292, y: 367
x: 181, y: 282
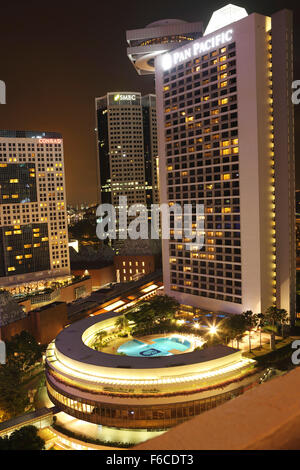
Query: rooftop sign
x: 119, y: 97
x: 50, y: 141
x: 195, y: 49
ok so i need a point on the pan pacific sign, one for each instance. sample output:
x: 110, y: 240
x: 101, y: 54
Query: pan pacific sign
x: 195, y: 49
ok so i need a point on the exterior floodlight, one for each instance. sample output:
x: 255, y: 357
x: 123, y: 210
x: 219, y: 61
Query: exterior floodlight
x: 225, y: 16
x: 213, y: 330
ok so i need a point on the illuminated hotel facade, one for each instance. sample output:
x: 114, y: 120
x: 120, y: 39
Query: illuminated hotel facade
x: 127, y: 148
x: 226, y: 140
x: 33, y: 223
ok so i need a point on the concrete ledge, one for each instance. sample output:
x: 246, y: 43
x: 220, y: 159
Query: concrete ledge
x: 266, y: 417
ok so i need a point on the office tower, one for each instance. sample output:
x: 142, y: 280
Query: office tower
x: 33, y: 222
x: 127, y: 148
x: 161, y: 36
x: 150, y: 148
x: 225, y: 133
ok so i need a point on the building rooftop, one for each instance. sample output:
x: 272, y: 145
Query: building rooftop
x: 69, y: 342
x: 10, y: 310
x: 30, y: 134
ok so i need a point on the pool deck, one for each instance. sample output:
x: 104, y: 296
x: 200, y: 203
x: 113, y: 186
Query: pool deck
x: 69, y: 343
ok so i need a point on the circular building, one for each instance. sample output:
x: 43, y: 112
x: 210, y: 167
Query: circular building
x: 156, y: 38
x: 139, y: 392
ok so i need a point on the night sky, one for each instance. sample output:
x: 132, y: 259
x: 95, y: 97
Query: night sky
x: 57, y: 56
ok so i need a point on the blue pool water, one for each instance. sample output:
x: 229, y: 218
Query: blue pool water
x: 159, y: 347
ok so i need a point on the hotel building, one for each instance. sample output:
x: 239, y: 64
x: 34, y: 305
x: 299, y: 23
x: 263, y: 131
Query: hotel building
x: 137, y: 395
x: 226, y: 140
x: 33, y: 222
x: 127, y: 148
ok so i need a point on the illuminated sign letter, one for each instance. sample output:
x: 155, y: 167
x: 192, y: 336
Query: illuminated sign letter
x: 196, y: 46
x: 228, y: 35
x: 218, y: 39
x: 176, y: 58
x: 167, y: 62
x: 207, y: 44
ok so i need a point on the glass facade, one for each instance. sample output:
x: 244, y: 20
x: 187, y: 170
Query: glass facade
x: 136, y: 417
x: 17, y: 183
x: 24, y: 248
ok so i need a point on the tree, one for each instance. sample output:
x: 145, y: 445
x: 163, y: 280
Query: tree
x: 235, y: 327
x: 13, y: 397
x: 99, y: 339
x: 122, y: 323
x: 155, y: 310
x: 273, y: 317
x: 260, y: 322
x: 250, y: 323
x: 26, y: 438
x: 23, y: 351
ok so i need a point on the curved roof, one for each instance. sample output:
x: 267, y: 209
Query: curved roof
x: 164, y: 22
x: 69, y: 342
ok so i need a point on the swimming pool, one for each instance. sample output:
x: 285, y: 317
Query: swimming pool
x: 159, y: 347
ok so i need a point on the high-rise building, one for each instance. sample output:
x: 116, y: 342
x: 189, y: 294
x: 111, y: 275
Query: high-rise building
x: 33, y: 222
x: 161, y: 36
x: 226, y: 140
x: 127, y: 148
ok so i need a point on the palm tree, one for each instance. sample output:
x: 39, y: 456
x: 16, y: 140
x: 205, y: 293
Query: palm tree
x: 122, y: 323
x: 235, y: 327
x: 155, y: 310
x: 282, y: 319
x: 274, y: 316
x: 260, y: 322
x: 99, y: 339
x: 250, y: 322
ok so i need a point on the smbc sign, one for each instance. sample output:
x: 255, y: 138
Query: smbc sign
x: 119, y: 97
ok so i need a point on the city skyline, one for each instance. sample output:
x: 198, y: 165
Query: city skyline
x: 175, y: 288
x: 59, y: 94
